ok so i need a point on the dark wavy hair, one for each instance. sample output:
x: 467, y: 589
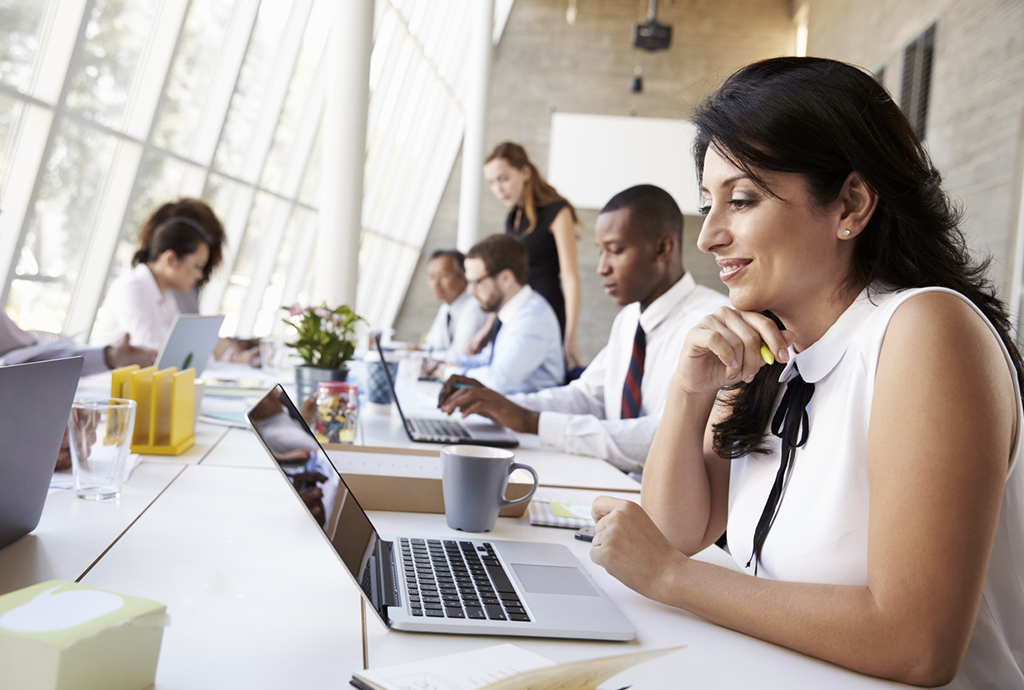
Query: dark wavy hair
x: 824, y: 119
x: 195, y: 210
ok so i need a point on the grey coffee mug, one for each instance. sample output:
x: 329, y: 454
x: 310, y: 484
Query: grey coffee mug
x: 473, y: 479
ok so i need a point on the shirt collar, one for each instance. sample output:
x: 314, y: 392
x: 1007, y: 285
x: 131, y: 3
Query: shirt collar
x: 817, y: 361
x: 661, y: 308
x: 507, y: 312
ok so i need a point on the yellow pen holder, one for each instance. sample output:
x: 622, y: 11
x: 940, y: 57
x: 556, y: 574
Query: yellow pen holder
x: 165, y: 412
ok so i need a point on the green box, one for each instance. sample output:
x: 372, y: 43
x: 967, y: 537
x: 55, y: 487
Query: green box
x: 61, y: 635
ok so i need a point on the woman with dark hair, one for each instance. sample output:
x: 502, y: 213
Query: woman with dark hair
x: 544, y: 221
x: 174, y: 256
x: 866, y: 477
x: 199, y: 211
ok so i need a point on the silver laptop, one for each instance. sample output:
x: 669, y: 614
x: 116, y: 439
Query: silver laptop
x: 35, y: 403
x: 456, y: 585
x: 442, y: 430
x: 190, y: 342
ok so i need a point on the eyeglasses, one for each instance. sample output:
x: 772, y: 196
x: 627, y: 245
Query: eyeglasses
x: 473, y: 283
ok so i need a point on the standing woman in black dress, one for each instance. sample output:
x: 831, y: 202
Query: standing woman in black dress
x: 545, y: 222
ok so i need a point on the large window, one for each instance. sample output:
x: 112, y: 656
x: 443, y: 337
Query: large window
x: 108, y: 108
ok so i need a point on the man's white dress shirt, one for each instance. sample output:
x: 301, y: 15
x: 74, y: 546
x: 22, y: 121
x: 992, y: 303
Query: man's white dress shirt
x: 454, y: 326
x: 136, y: 306
x: 18, y: 347
x: 526, y: 355
x: 585, y: 417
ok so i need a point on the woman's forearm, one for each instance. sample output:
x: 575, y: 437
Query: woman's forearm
x: 678, y: 492
x: 846, y: 625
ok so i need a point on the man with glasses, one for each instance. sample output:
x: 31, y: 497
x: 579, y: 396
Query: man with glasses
x: 525, y: 350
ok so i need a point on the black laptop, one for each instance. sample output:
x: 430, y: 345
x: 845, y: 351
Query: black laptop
x: 442, y: 430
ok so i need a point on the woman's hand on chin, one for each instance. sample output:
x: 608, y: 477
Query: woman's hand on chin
x: 631, y: 548
x: 724, y: 348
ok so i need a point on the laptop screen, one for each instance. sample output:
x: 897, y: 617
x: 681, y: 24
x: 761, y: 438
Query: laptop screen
x: 288, y: 439
x: 391, y: 383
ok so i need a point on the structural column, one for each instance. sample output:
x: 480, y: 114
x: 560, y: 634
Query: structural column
x: 347, y: 100
x: 475, y: 108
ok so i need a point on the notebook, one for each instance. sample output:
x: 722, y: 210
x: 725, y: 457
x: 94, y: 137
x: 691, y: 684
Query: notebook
x: 190, y: 342
x: 438, y: 430
x: 35, y: 403
x: 458, y: 584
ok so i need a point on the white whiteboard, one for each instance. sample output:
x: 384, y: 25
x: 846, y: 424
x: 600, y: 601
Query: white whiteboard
x: 594, y: 157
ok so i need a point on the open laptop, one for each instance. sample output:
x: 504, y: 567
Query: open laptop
x: 441, y: 430
x: 190, y: 342
x: 35, y: 403
x: 456, y: 585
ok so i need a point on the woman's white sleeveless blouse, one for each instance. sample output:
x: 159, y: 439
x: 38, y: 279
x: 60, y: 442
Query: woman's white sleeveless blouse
x: 821, y: 531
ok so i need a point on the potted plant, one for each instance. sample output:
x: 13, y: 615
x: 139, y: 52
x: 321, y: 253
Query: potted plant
x: 324, y: 341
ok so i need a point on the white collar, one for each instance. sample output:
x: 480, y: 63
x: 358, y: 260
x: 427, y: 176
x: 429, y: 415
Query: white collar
x: 660, y: 309
x: 817, y: 361
x: 508, y: 311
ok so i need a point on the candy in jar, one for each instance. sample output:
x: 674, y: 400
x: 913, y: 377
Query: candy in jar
x: 337, y: 410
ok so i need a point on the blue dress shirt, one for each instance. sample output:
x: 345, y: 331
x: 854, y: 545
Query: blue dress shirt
x: 526, y: 356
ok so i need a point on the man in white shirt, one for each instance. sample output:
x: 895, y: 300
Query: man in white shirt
x: 614, y: 408
x: 460, y: 315
x: 525, y: 350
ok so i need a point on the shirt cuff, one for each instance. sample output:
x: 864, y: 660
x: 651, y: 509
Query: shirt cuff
x: 551, y: 428
x: 94, y: 361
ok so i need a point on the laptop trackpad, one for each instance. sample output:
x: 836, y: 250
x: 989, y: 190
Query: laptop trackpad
x: 554, y: 579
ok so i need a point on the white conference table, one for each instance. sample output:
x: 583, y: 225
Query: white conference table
x: 258, y: 599
x: 72, y: 534
x: 714, y: 657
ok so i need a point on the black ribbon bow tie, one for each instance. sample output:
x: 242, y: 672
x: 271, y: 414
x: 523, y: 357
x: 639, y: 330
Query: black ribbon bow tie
x: 790, y: 424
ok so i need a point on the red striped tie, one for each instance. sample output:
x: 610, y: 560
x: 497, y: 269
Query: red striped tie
x: 634, y: 375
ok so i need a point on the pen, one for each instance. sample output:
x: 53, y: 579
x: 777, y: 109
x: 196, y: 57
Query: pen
x: 457, y: 386
x: 766, y: 354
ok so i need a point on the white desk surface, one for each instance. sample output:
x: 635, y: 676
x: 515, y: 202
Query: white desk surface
x: 258, y: 599
x: 239, y: 448
x: 714, y: 656
x: 256, y: 596
x: 73, y: 533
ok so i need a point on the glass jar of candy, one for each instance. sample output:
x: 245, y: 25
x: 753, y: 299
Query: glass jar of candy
x: 337, y: 412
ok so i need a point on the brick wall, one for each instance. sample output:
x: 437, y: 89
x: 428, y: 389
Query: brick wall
x: 543, y: 65
x: 974, y: 129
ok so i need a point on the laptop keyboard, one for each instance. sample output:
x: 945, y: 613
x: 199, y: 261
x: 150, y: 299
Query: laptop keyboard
x: 438, y: 429
x: 457, y: 579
